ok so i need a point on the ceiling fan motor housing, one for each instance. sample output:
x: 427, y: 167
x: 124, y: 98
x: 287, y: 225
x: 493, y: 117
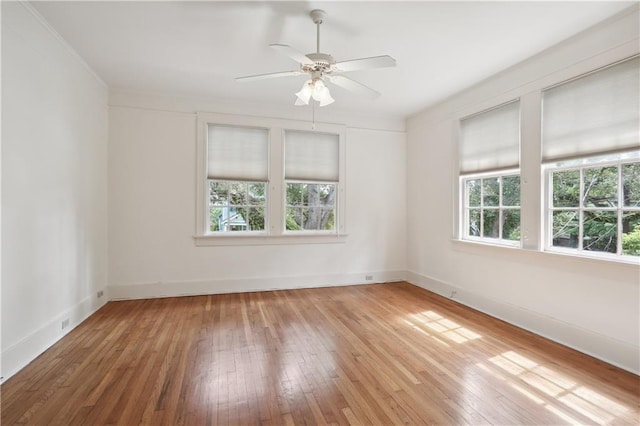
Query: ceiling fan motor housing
x: 322, y: 62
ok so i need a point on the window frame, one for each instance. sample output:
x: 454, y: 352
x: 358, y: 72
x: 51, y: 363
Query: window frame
x: 465, y: 208
x: 275, y: 215
x: 580, y: 164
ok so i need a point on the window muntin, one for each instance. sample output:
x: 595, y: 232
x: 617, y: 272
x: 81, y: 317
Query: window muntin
x: 311, y: 206
x: 594, y: 207
x: 492, y: 208
x: 237, y: 206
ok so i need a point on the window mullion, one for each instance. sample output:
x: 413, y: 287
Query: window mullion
x: 481, y: 208
x: 581, y: 210
x: 620, y: 211
x: 500, y: 208
x: 275, y: 194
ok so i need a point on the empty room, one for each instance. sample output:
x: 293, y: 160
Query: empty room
x: 300, y: 212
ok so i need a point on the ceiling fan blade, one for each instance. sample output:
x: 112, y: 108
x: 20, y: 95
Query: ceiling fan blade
x: 269, y: 75
x: 365, y: 63
x: 289, y: 51
x: 353, y: 86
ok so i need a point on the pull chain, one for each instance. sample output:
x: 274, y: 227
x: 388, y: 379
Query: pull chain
x: 313, y: 115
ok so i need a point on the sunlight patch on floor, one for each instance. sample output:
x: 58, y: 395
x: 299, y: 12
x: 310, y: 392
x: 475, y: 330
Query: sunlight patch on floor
x: 440, y: 325
x: 542, y: 382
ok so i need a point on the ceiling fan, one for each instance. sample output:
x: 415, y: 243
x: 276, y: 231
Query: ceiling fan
x: 320, y: 65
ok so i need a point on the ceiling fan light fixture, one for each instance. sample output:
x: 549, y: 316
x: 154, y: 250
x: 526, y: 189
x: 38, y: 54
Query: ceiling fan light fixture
x: 315, y: 89
x: 304, y: 95
x: 323, y: 96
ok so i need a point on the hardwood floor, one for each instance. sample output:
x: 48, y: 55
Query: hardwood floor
x: 375, y: 354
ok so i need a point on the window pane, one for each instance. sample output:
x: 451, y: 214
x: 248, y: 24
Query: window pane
x: 214, y: 215
x: 601, y: 187
x: 310, y: 206
x: 631, y: 233
x: 473, y: 193
x: 255, y: 219
x: 511, y: 191
x: 256, y: 194
x: 218, y: 193
x: 491, y: 188
x: 490, y: 227
x: 566, y: 188
x: 474, y: 222
x: 631, y: 185
x: 511, y: 224
x: 294, y: 194
x: 238, y: 193
x: 600, y: 230
x: 565, y: 229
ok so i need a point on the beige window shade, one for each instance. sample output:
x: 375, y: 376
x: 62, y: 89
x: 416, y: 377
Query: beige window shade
x: 594, y: 114
x: 490, y: 140
x: 237, y: 153
x: 311, y: 156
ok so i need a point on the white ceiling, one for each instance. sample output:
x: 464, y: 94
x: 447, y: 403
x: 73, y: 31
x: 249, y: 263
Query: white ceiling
x: 197, y: 48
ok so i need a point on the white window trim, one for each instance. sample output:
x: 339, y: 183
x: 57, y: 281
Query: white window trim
x: 274, y: 232
x: 464, y: 210
x: 548, y: 170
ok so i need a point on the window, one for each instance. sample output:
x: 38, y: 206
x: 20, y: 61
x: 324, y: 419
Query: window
x: 590, y: 140
x: 237, y: 206
x: 595, y: 206
x: 269, y: 181
x: 237, y: 175
x: 493, y: 208
x: 490, y: 181
x: 311, y: 174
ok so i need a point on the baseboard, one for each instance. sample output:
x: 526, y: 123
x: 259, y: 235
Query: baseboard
x: 192, y: 288
x: 605, y: 348
x: 20, y: 354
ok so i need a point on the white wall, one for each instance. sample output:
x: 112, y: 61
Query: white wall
x: 54, y: 187
x: 152, y: 208
x: 593, y: 306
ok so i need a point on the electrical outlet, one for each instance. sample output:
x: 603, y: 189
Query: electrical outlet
x: 368, y: 277
x: 100, y: 294
x: 65, y: 323
x: 453, y: 294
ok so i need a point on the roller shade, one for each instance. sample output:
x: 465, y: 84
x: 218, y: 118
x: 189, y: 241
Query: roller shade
x: 594, y: 114
x: 490, y: 140
x: 311, y: 156
x: 237, y: 153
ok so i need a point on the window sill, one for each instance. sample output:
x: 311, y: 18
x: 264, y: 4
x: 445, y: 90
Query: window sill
x: 484, y: 248
x: 263, y: 240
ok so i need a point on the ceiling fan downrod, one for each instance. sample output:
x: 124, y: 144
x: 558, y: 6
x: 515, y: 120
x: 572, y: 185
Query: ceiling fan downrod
x: 317, y: 15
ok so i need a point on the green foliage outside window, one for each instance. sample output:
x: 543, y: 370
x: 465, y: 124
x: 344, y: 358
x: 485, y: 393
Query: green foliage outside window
x: 237, y: 206
x: 493, y: 209
x: 599, y: 200
x: 310, y: 206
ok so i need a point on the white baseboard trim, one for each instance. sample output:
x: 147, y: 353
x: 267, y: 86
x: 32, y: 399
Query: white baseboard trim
x: 605, y: 348
x: 244, y: 285
x: 20, y: 354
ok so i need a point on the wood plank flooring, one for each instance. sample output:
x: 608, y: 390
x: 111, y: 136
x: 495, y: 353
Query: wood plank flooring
x: 373, y: 354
